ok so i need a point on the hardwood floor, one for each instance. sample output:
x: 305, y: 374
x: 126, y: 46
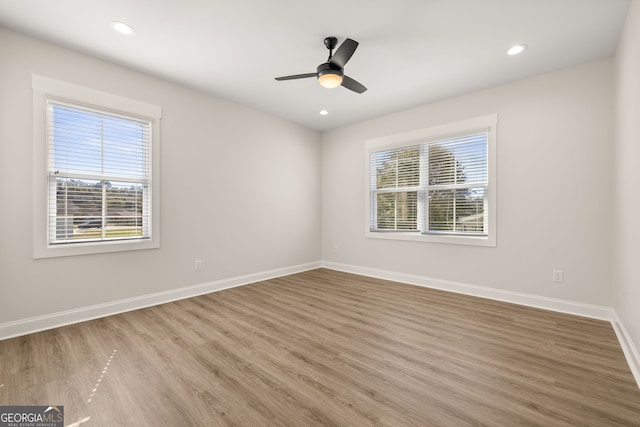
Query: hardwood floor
x: 327, y: 348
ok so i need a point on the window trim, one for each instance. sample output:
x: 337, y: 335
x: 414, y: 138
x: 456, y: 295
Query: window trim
x: 486, y: 123
x: 45, y: 88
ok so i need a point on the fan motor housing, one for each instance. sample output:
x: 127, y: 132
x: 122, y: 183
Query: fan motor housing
x: 329, y: 68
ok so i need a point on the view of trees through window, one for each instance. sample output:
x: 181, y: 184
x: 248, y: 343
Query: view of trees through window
x: 433, y: 187
x: 398, y: 171
x: 80, y: 204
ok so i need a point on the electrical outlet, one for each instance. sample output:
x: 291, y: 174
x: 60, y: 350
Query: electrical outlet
x: 197, y: 265
x: 558, y: 276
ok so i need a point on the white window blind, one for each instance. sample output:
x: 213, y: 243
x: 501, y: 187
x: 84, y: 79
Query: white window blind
x: 395, y: 187
x: 99, y: 174
x: 435, y: 187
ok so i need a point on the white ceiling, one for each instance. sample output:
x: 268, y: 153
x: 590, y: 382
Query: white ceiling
x: 411, y: 52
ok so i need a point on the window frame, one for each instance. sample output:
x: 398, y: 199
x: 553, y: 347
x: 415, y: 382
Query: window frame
x: 46, y: 89
x: 487, y: 124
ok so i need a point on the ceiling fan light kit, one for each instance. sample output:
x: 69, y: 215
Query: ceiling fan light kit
x: 331, y: 73
x: 329, y: 76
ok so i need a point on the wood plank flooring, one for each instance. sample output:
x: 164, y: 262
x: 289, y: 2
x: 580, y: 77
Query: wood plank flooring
x: 327, y: 348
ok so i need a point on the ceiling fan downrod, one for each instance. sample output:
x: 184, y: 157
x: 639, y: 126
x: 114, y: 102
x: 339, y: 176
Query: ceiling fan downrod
x: 330, y: 43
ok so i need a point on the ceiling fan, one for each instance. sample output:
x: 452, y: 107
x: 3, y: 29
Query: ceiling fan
x: 330, y: 74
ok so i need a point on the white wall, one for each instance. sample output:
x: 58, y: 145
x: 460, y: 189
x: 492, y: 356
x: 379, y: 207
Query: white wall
x: 240, y: 190
x: 626, y: 172
x: 554, y: 189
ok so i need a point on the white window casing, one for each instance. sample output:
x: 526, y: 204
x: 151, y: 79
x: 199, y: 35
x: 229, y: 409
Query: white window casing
x: 434, y: 185
x: 96, y: 171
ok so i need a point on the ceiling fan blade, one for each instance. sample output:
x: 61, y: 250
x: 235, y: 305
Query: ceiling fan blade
x: 297, y: 76
x: 344, y: 53
x: 353, y: 85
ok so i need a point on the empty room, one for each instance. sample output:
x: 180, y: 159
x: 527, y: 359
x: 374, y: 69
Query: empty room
x: 409, y: 213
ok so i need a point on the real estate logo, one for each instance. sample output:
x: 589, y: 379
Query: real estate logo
x: 32, y: 416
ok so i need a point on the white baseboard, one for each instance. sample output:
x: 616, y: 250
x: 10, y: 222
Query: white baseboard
x: 630, y: 350
x: 68, y: 317
x: 570, y: 307
x: 553, y: 304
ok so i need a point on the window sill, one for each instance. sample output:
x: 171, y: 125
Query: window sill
x: 74, y: 249
x: 487, y: 241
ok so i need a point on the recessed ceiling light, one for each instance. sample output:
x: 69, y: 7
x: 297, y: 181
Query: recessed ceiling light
x: 323, y: 112
x: 123, y: 28
x: 519, y: 48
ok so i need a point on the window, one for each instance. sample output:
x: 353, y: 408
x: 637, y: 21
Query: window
x: 434, y: 185
x: 99, y: 175
x: 97, y: 154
